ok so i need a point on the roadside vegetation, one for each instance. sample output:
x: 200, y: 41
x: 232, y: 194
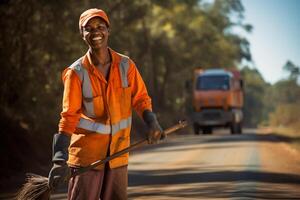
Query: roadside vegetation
x: 285, y: 100
x: 276, y: 108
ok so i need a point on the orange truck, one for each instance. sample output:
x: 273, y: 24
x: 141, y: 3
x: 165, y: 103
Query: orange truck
x: 217, y: 100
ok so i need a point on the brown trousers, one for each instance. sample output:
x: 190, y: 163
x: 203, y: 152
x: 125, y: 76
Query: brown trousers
x: 107, y: 184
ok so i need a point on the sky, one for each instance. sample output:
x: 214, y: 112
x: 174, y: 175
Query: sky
x: 275, y: 37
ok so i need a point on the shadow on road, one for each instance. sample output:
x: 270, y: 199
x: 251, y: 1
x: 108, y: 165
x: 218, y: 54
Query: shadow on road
x: 190, y: 183
x: 215, y: 192
x: 154, y: 177
x: 219, y: 139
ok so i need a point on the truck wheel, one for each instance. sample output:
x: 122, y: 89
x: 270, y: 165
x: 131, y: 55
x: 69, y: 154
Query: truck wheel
x: 196, y: 129
x: 240, y: 128
x: 236, y: 128
x: 207, y: 130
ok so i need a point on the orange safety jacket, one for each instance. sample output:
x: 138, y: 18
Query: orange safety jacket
x: 98, y: 112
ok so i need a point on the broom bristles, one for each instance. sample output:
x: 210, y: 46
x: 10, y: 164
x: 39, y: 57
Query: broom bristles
x: 35, y: 188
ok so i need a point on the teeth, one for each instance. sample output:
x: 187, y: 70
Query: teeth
x: 97, y: 38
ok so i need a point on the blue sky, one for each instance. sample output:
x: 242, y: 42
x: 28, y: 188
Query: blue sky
x: 275, y: 37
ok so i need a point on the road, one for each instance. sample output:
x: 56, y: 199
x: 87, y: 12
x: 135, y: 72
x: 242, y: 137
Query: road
x: 218, y: 166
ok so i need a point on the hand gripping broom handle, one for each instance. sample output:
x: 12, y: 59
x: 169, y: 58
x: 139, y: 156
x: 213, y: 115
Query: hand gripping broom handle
x: 180, y: 125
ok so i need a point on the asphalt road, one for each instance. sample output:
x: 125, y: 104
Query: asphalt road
x: 218, y: 166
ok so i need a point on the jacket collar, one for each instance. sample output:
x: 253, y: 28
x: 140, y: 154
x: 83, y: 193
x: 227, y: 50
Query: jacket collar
x: 88, y: 64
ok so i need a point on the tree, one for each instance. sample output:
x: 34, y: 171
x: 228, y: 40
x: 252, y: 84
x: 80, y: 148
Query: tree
x: 294, y: 71
x: 285, y: 99
x: 256, y: 108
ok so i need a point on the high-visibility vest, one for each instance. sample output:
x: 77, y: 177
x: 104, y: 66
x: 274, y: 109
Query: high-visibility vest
x: 95, y: 136
x: 88, y: 106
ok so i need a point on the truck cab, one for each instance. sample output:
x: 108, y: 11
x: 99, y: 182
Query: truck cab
x: 217, y: 100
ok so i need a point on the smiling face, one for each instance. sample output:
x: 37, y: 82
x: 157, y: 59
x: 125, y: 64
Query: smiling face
x: 95, y: 33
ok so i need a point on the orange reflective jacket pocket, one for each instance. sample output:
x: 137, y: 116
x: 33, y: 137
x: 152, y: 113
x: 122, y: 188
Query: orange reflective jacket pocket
x: 93, y: 106
x: 99, y: 106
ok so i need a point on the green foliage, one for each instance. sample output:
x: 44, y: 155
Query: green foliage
x: 285, y: 98
x: 276, y: 105
x: 285, y: 91
x: 294, y: 71
x: 167, y: 40
x: 256, y: 108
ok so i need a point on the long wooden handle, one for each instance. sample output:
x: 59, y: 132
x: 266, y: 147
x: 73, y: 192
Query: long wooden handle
x: 180, y: 125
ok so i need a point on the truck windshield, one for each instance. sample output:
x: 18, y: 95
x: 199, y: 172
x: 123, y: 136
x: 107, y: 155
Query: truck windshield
x: 213, y: 82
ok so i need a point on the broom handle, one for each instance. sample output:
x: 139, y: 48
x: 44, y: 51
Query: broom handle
x: 180, y: 125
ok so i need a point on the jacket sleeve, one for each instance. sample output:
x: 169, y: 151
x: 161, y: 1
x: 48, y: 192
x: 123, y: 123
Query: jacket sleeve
x: 71, y: 105
x: 140, y: 98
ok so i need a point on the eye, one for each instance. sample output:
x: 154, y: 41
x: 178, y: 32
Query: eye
x: 101, y: 28
x: 88, y: 29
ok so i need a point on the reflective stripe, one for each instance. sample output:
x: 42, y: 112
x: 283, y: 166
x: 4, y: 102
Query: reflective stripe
x: 86, y: 85
x: 124, y: 66
x: 124, y: 123
x: 87, y: 92
x: 94, y: 126
x: 77, y: 66
x: 104, y: 128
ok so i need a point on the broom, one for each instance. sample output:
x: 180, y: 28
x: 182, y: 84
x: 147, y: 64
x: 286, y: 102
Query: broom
x: 36, y: 186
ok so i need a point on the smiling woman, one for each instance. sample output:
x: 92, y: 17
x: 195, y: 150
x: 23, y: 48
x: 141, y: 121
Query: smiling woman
x: 100, y: 90
x: 95, y: 34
